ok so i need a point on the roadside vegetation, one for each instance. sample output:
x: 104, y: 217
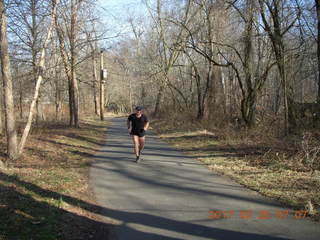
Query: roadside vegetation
x: 285, y: 169
x: 45, y: 194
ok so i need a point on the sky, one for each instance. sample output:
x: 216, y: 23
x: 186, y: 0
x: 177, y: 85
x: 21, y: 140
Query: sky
x: 116, y: 13
x: 119, y: 9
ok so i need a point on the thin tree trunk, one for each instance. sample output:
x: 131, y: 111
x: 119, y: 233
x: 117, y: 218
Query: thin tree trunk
x: 40, y: 78
x: 209, y: 93
x: 57, y: 81
x: 286, y: 95
x: 95, y: 81
x: 58, y: 100
x: 200, y: 112
x: 130, y: 94
x: 7, y: 87
x: 158, y: 100
x: 75, y: 97
x: 58, y: 96
x: 74, y: 81
x: 248, y: 103
x: 1, y: 123
x: 34, y: 54
x: 67, y: 69
x: 223, y: 89
x: 21, y: 99
x: 71, y: 111
x: 318, y: 46
x: 101, y: 87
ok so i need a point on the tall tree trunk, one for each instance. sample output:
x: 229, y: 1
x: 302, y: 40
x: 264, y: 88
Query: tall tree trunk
x: 21, y: 99
x: 1, y: 123
x: 200, y: 102
x: 57, y: 99
x: 70, y: 66
x: 95, y: 80
x: 7, y: 87
x: 67, y: 69
x: 95, y: 84
x: 158, y: 100
x: 34, y: 53
x: 57, y: 82
x: 75, y: 90
x: 209, y: 93
x: 223, y: 98
x: 74, y: 81
x: 71, y: 110
x: 248, y: 102
x: 143, y: 94
x: 248, y: 109
x: 39, y: 79
x: 318, y: 46
x: 287, y: 94
x: 102, y: 100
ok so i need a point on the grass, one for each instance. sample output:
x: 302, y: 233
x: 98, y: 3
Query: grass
x: 274, y: 167
x: 45, y: 193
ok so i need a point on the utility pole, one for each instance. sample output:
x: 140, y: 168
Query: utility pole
x: 103, y: 76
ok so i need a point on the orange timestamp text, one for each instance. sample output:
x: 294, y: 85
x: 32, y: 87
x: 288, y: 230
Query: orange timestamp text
x: 262, y: 214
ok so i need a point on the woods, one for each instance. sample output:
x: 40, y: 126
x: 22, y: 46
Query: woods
x: 42, y: 47
x: 227, y: 59
x: 253, y: 63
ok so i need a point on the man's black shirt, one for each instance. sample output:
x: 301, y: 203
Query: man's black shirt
x: 138, y: 123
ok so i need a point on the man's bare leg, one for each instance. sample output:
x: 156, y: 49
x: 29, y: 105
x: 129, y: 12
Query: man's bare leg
x: 135, y: 140
x: 141, y: 144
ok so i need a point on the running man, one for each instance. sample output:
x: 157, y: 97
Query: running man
x: 138, y: 124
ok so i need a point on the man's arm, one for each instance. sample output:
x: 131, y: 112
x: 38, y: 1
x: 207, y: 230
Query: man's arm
x: 146, y: 126
x: 128, y: 123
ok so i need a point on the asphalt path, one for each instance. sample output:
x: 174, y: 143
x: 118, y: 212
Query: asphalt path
x: 169, y: 195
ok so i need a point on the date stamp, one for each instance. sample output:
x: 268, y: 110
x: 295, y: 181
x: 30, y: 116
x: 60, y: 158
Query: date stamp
x: 262, y: 214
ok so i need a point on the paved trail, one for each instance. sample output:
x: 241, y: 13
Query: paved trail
x: 169, y: 195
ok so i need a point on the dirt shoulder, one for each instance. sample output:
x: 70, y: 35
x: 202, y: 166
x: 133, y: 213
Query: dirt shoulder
x: 273, y: 167
x: 45, y: 194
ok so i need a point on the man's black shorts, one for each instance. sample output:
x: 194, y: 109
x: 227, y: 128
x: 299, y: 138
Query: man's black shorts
x: 140, y: 133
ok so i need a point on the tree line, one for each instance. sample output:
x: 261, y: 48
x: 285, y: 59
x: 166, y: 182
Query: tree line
x: 224, y: 59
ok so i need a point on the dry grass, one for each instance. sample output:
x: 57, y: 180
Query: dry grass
x: 45, y: 194
x: 277, y: 168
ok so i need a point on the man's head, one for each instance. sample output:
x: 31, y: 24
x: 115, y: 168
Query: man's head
x: 138, y: 109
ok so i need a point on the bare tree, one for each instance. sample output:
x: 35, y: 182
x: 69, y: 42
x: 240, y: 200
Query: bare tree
x: 69, y: 28
x: 11, y: 132
x: 169, y: 53
x: 41, y: 68
x: 276, y: 28
x: 27, y: 20
x: 250, y: 68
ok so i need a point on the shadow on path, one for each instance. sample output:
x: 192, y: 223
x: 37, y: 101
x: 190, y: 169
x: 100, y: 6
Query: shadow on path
x: 28, y: 218
x: 124, y: 216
